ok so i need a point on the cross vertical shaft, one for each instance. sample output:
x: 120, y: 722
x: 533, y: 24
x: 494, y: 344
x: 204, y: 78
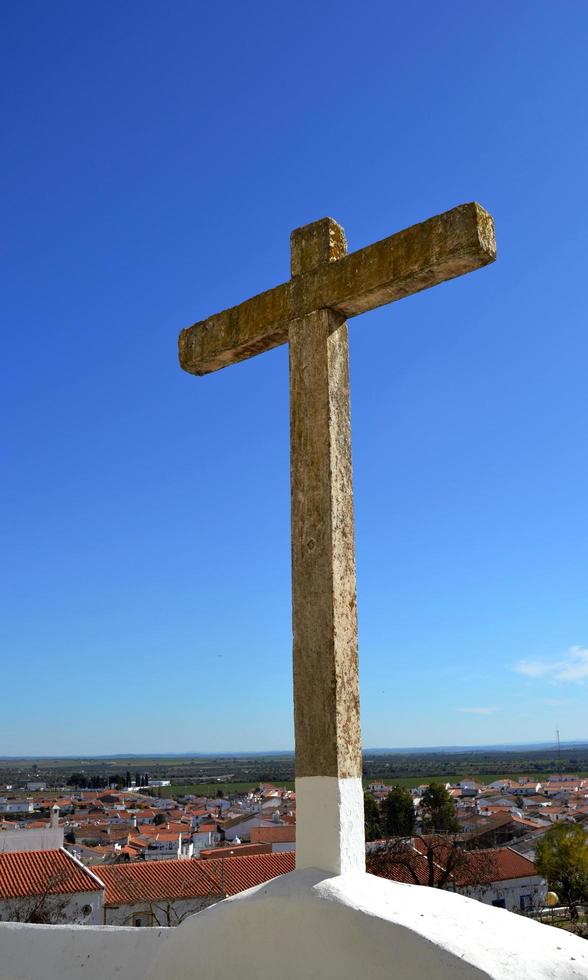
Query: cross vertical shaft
x: 330, y: 832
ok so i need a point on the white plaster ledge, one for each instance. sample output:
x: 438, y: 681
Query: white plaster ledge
x: 29, y: 952
x: 304, y: 925
x: 309, y: 924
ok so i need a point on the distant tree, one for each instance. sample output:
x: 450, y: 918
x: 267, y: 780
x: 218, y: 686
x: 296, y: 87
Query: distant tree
x: 78, y: 779
x: 437, y: 811
x: 561, y: 856
x: 373, y: 826
x: 159, y: 819
x: 398, y: 816
x: 219, y: 794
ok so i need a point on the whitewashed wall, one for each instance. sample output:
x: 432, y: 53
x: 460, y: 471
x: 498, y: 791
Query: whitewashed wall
x: 510, y: 892
x: 77, y: 952
x: 67, y: 908
x: 38, y: 839
x: 308, y: 926
x: 164, y: 913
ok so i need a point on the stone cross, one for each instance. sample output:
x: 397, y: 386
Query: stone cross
x: 327, y: 286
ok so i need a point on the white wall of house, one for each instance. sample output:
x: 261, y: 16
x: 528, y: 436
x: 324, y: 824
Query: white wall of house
x: 38, y: 839
x: 163, y: 850
x: 243, y: 828
x: 16, y: 806
x: 202, y: 840
x: 78, y: 908
x: 165, y: 912
x: 516, y: 893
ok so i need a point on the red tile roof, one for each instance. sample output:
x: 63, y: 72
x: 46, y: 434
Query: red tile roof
x: 127, y: 884
x: 237, y: 850
x: 274, y: 835
x: 157, y: 880
x: 510, y: 864
x: 473, y: 867
x: 26, y: 873
x: 240, y: 873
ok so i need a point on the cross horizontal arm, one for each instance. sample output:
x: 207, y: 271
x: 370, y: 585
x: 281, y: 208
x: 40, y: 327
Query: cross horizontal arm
x: 424, y: 255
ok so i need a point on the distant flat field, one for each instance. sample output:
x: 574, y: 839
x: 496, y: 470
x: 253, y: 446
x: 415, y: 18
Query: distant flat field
x: 486, y: 777
x: 211, y: 789
x: 205, y: 775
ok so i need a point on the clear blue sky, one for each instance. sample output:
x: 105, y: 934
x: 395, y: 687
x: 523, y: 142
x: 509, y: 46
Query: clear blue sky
x: 156, y: 157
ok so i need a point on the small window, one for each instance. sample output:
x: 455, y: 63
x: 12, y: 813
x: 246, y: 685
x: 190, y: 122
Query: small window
x: 499, y: 903
x: 142, y: 919
x: 525, y: 902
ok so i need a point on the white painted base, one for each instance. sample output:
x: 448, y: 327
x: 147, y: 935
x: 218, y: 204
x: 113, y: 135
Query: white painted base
x: 329, y: 824
x: 308, y: 926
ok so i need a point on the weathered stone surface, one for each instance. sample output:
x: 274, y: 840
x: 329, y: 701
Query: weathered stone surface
x: 324, y: 607
x: 314, y: 244
x: 324, y: 614
x: 424, y: 255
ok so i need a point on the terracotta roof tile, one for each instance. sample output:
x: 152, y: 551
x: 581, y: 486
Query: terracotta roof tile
x: 274, y: 835
x: 240, y: 873
x: 25, y: 873
x: 158, y: 880
x: 153, y: 881
x: 475, y: 867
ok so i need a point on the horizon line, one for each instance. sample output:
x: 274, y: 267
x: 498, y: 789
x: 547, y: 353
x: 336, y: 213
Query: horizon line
x: 271, y: 753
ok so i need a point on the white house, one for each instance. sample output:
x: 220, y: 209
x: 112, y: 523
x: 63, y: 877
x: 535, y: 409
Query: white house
x: 158, y: 894
x: 49, y: 887
x: 468, y: 787
x: 378, y: 787
x: 201, y: 839
x: 515, y: 884
x: 16, y: 806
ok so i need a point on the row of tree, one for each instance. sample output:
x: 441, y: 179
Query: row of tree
x: 81, y: 780
x: 395, y: 816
